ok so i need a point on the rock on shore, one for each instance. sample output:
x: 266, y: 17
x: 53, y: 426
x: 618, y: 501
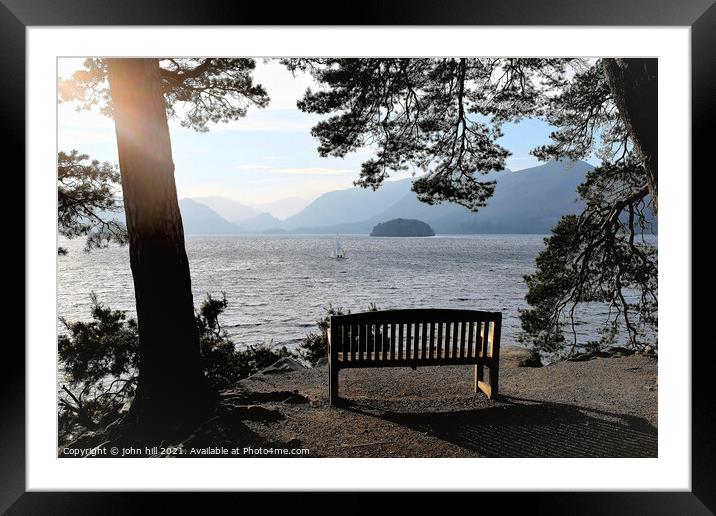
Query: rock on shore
x: 516, y: 356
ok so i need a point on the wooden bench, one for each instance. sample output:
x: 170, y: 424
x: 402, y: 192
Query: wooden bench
x: 414, y: 338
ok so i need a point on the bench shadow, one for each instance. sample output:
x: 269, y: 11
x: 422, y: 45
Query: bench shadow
x: 519, y: 427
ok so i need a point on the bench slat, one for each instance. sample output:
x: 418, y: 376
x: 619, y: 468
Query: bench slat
x: 455, y: 329
x: 416, y: 341
x: 339, y: 331
x: 432, y: 340
x: 462, y: 338
x: 424, y: 339
x: 383, y: 331
x: 408, y: 340
x: 440, y: 340
x: 380, y: 330
x: 362, y: 340
x: 479, y: 345
x: 351, y: 341
x: 486, y: 346
x: 383, y: 340
x: 392, y: 342
x: 488, y: 343
x: 447, y: 339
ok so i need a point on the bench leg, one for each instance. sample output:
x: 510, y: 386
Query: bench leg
x: 333, y: 384
x: 490, y: 389
x: 479, y: 375
x: 494, y: 374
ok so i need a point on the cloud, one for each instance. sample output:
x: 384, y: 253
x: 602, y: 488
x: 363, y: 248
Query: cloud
x: 259, y: 192
x: 516, y: 163
x: 252, y: 123
x: 283, y: 87
x: 253, y: 167
x: 303, y: 171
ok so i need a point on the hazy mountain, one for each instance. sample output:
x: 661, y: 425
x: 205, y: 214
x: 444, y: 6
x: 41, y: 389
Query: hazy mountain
x: 528, y: 201
x: 201, y: 220
x: 283, y: 208
x: 259, y: 224
x: 347, y: 206
x: 230, y: 209
x: 237, y: 211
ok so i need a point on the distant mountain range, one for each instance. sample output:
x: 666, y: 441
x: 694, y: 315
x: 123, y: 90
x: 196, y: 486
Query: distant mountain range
x: 528, y: 201
x: 199, y: 219
x: 229, y: 209
x: 237, y: 212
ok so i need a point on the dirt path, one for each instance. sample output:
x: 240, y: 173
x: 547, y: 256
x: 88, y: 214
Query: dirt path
x: 598, y: 408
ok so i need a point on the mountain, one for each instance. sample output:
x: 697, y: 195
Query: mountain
x: 527, y: 201
x: 259, y: 224
x: 348, y: 206
x: 229, y: 209
x: 283, y: 208
x: 237, y: 211
x: 201, y: 220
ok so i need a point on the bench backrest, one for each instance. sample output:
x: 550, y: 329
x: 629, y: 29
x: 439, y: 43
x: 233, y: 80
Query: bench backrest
x: 414, y: 338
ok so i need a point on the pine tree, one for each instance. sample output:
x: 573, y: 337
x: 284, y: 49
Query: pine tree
x: 172, y: 391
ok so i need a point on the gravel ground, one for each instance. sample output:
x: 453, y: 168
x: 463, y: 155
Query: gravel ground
x: 604, y: 407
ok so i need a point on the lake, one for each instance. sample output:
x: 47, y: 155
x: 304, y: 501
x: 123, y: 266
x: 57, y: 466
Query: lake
x: 278, y: 286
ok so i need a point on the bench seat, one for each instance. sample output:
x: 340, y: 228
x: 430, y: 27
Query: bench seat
x: 416, y: 338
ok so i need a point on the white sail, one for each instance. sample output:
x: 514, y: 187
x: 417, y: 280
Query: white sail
x: 338, y: 252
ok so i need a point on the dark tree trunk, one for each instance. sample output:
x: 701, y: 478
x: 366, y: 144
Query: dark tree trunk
x: 172, y: 390
x: 634, y: 87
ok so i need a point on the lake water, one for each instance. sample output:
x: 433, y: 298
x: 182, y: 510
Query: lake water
x: 278, y: 286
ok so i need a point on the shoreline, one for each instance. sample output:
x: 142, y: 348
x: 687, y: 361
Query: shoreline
x: 604, y: 407
x: 590, y: 406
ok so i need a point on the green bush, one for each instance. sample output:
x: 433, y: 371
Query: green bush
x: 100, y: 359
x: 314, y: 346
x: 223, y: 363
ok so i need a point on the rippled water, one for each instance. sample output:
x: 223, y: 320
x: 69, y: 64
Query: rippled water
x: 278, y: 286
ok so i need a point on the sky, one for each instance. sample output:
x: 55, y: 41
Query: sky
x: 264, y: 157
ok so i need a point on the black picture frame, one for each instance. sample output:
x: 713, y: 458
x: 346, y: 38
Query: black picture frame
x: 700, y: 15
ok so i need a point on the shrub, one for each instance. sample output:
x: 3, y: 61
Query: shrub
x: 100, y: 359
x: 256, y: 357
x: 315, y: 345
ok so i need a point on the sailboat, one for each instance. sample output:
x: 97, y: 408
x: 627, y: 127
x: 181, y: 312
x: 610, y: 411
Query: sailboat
x: 338, y: 253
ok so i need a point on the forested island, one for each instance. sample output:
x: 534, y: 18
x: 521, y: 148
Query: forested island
x: 402, y: 228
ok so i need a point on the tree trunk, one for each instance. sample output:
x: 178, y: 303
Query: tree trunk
x: 634, y: 87
x: 172, y: 390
